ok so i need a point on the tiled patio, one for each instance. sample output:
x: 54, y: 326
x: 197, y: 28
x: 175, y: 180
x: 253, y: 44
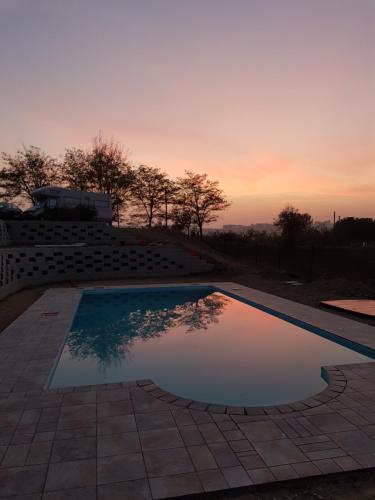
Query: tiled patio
x: 133, y: 440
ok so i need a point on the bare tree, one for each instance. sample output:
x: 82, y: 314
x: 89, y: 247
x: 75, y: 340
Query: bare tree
x: 75, y: 169
x: 27, y: 170
x: 149, y: 190
x: 109, y: 172
x: 202, y: 197
x: 169, y: 195
x: 183, y: 218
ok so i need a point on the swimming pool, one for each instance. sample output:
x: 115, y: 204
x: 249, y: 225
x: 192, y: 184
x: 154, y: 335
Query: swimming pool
x: 198, y: 343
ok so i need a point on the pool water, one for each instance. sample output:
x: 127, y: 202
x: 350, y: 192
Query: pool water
x: 197, y: 343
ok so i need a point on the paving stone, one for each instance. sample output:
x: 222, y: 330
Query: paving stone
x: 67, y: 450
x: 327, y: 466
x: 226, y: 425
x: 365, y: 459
x: 182, y: 417
x: 30, y: 417
x: 46, y: 426
x: 311, y: 440
x: 76, y: 433
x: 167, y: 462
x: 251, y: 461
x: 68, y: 475
x: 318, y: 455
x: 117, y: 424
x: 127, y: 490
x: 150, y: 421
x: 242, y: 445
x: 32, y: 496
x: 146, y: 403
x: 202, y: 457
x: 118, y: 444
x: 9, y: 418
x: 347, y: 463
x: 284, y: 472
x: 233, y: 435
x: 40, y: 437
x: 354, y: 441
x: 201, y: 417
x: 118, y: 468
x: 73, y: 494
x: 79, y: 398
x: 113, y: 408
x: 279, y: 452
x: 22, y: 480
x: 305, y: 469
x: 330, y: 423
x: 236, y: 476
x: 115, y: 395
x: 224, y: 455
x: 260, y: 476
x: 178, y: 485
x: 325, y: 445
x: 160, y: 439
x: 261, y: 431
x: 211, y: 433
x: 212, y: 480
x: 39, y: 453
x: 15, y: 455
x: 77, y: 412
x: 191, y: 435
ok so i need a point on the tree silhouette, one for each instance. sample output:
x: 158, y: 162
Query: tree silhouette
x: 110, y: 173
x: 75, y: 172
x: 292, y: 224
x: 202, y: 197
x: 149, y: 191
x: 27, y: 170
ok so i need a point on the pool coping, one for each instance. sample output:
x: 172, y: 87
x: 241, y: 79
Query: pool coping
x: 220, y: 447
x: 335, y: 378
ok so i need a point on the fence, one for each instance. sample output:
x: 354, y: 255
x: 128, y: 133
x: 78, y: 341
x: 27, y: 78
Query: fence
x: 312, y: 261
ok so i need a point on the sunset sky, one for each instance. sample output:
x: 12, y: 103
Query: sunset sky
x: 274, y: 98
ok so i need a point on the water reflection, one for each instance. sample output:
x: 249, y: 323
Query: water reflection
x: 107, y: 326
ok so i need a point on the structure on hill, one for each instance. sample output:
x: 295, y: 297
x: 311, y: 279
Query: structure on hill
x: 51, y: 197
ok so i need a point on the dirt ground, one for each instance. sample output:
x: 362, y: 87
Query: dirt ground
x: 358, y: 485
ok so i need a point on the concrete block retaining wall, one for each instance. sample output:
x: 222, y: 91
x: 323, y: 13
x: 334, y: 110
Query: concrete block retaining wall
x: 31, y: 266
x: 4, y: 235
x: 30, y: 233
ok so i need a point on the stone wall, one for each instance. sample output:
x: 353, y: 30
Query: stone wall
x: 4, y: 235
x: 30, y: 266
x: 30, y: 233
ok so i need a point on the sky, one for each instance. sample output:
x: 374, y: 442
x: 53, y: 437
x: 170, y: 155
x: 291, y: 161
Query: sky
x: 273, y: 98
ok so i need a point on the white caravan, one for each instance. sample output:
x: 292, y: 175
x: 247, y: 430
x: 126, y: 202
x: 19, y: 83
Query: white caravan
x: 50, y: 197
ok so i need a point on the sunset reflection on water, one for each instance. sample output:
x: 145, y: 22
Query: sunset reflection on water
x: 198, y: 344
